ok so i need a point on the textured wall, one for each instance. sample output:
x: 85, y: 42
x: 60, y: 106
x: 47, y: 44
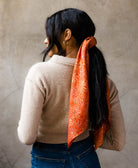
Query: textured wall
x: 21, y: 41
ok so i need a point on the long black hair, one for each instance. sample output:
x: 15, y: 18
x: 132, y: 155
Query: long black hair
x: 82, y: 26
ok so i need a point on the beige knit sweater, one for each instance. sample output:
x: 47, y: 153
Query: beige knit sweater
x: 45, y: 106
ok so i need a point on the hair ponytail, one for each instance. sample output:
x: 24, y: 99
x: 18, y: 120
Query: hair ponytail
x: 98, y: 109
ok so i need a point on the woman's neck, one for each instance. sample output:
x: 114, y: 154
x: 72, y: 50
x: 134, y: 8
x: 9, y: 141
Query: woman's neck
x: 72, y: 53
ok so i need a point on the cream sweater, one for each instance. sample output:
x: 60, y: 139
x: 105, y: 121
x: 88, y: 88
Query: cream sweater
x: 45, y: 106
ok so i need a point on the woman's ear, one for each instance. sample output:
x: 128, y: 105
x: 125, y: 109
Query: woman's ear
x: 67, y: 34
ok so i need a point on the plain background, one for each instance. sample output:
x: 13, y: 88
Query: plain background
x: 21, y: 42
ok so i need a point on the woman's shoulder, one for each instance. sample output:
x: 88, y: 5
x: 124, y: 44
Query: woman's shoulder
x: 113, y: 89
x: 37, y: 66
x: 111, y: 83
x: 36, y: 70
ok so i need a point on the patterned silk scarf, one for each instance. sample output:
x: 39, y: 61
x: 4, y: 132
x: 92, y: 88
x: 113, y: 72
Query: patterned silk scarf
x: 79, y: 97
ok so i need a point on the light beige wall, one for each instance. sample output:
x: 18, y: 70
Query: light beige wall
x: 21, y: 41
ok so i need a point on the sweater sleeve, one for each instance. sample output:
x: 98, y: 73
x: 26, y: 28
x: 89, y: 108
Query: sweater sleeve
x: 31, y: 109
x: 115, y: 136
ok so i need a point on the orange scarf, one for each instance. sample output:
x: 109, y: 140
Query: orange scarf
x: 79, y: 97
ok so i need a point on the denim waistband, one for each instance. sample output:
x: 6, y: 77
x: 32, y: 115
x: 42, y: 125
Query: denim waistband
x: 62, y: 149
x: 63, y: 146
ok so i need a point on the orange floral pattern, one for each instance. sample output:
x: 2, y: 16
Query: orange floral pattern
x: 79, y: 97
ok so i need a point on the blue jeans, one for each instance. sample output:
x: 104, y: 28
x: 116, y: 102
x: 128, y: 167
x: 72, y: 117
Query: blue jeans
x: 81, y: 154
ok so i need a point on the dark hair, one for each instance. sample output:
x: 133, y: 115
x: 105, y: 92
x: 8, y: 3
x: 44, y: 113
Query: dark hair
x: 81, y: 27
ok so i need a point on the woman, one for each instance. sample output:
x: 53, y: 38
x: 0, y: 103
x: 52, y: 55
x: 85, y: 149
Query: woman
x: 70, y: 106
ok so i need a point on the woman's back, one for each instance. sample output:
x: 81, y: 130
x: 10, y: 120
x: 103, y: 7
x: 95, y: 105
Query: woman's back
x: 53, y: 81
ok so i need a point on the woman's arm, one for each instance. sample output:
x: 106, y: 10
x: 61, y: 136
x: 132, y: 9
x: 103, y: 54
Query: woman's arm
x: 31, y: 109
x: 116, y: 135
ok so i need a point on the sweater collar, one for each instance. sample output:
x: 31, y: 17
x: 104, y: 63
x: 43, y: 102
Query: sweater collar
x: 63, y: 60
